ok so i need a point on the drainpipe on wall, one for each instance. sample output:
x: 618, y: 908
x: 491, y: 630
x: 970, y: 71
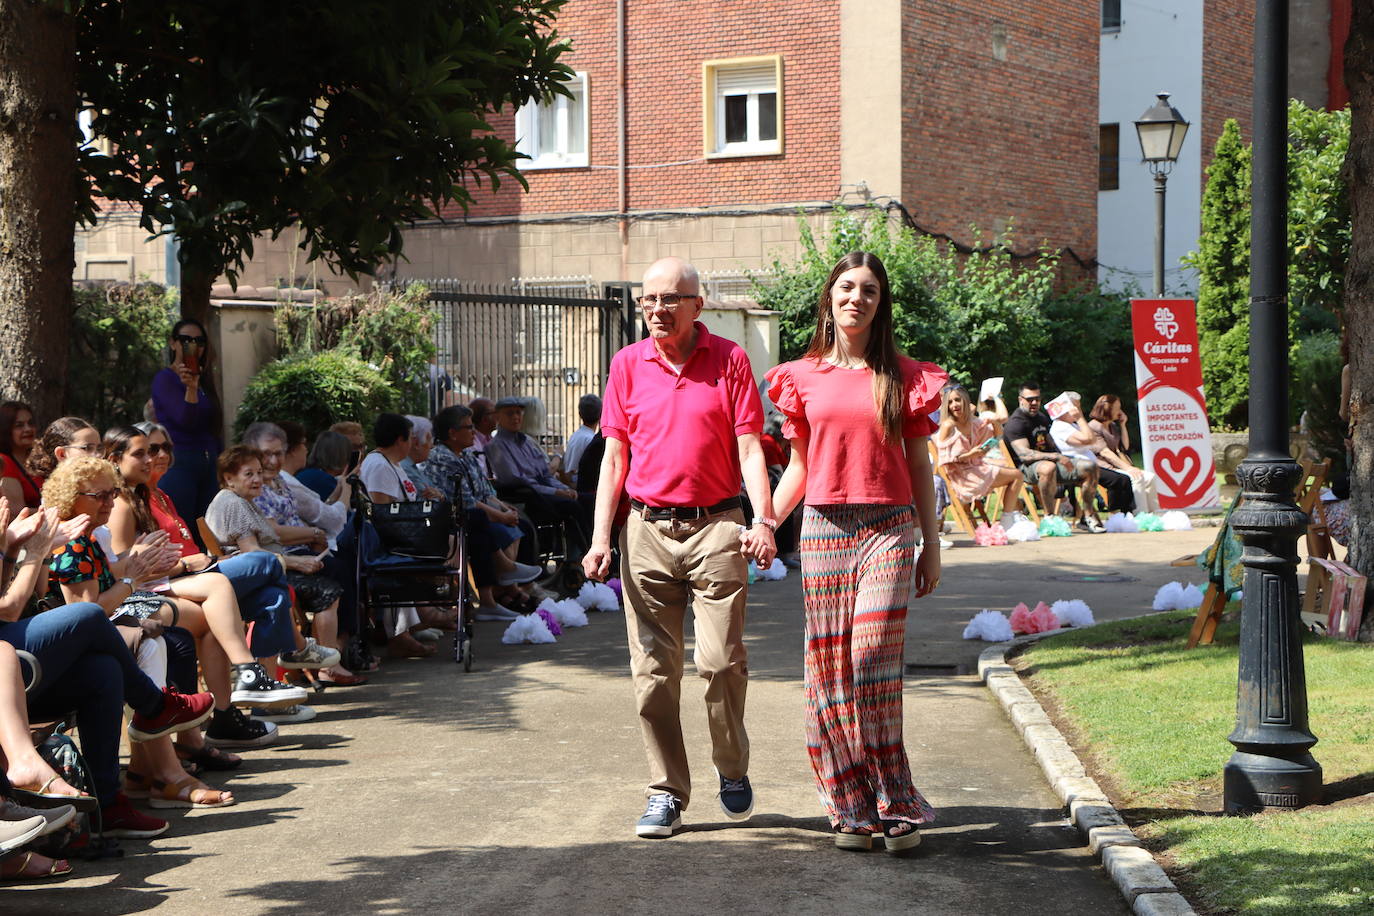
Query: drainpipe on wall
x: 622, y: 172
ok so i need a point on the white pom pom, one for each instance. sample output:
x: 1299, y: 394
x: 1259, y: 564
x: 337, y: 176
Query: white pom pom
x: 1176, y: 521
x: 1073, y: 613
x: 597, y: 596
x: 989, y: 626
x: 1023, y: 530
x: 1176, y: 596
x: 1123, y: 523
x: 529, y: 628
x: 567, y: 612
x: 1191, y: 597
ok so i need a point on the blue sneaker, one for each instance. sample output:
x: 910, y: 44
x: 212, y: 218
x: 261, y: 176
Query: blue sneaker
x: 736, y: 798
x: 662, y: 817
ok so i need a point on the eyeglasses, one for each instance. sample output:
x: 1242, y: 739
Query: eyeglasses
x: 74, y: 447
x: 669, y: 302
x: 159, y: 448
x: 1034, y: 400
x: 104, y: 496
x: 187, y: 340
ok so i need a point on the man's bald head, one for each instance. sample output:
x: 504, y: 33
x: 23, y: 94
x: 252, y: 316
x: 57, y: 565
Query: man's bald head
x: 672, y: 274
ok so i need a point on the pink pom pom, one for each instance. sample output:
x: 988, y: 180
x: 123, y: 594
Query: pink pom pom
x: 1043, y: 619
x: 986, y: 535
x: 1021, y: 619
x: 614, y: 585
x: 999, y: 535
x: 551, y: 620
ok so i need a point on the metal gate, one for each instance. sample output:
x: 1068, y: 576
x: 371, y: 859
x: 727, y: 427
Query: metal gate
x: 494, y: 342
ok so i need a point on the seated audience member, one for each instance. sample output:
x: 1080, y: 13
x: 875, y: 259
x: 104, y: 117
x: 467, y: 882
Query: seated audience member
x: 484, y: 424
x: 1074, y: 437
x: 1043, y: 466
x: 493, y: 526
x: 278, y: 504
x: 332, y: 458
x: 1108, y: 420
x: 17, y: 437
x: 522, y: 469
x: 962, y: 443
x: 328, y: 511
x: 64, y: 438
x: 207, y: 601
x: 353, y: 432
x: 240, y: 526
x: 421, y: 442
x: 81, y: 574
x: 589, y: 410
x: 386, y: 482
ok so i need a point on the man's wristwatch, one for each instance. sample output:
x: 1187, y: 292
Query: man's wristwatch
x: 760, y: 520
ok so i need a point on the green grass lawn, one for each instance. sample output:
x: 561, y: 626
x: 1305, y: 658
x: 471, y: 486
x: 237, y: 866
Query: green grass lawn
x: 1151, y: 718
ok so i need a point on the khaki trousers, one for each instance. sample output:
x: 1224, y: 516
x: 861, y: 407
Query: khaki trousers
x: 664, y: 567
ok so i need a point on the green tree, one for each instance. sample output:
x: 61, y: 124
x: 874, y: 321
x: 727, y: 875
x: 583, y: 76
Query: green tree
x: 118, y: 342
x: 1318, y: 243
x: 344, y: 120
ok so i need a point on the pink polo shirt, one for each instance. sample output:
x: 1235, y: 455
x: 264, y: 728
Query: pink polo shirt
x: 681, y: 430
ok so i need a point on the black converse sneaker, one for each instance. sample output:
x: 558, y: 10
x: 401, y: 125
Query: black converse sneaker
x: 253, y: 686
x: 231, y: 728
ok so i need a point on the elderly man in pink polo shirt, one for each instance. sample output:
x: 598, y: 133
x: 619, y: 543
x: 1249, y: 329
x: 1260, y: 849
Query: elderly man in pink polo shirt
x: 682, y: 421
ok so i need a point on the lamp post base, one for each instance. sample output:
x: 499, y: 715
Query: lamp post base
x: 1256, y: 782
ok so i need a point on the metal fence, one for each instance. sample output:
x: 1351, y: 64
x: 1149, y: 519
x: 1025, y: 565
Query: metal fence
x: 503, y: 341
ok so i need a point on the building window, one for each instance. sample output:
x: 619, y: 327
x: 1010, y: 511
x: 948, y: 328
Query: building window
x: 553, y: 132
x: 1111, y: 15
x: 743, y: 106
x: 1108, y: 157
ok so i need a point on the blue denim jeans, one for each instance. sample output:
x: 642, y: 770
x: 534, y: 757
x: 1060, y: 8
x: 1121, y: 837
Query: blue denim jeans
x: 87, y: 668
x: 259, y: 583
x: 191, y: 484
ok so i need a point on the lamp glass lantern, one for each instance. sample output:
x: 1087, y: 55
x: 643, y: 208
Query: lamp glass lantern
x: 1161, y: 130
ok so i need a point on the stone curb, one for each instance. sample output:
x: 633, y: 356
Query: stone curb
x: 1143, y: 884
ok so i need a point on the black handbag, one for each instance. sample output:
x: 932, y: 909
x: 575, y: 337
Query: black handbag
x: 419, y: 530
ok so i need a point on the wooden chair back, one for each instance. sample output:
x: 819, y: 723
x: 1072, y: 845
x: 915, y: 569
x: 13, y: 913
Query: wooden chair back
x: 207, y: 537
x: 1308, y: 496
x: 963, y: 514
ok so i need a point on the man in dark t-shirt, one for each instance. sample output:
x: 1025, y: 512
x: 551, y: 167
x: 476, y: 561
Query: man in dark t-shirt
x: 1027, y: 434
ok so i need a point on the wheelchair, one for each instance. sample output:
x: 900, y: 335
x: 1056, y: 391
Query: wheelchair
x: 387, y: 582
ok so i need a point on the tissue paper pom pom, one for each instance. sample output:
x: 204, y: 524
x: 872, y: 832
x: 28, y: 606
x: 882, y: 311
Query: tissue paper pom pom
x: 614, y: 585
x: 550, y: 621
x: 1122, y: 522
x: 989, y: 626
x: 1176, y: 596
x: 1177, y: 521
x: 1023, y: 530
x: 1020, y: 619
x: 567, y: 612
x: 529, y: 628
x: 1073, y: 613
x: 986, y: 535
x: 1043, y: 619
x: 1148, y: 521
x: 775, y: 570
x: 1053, y: 526
x: 597, y: 596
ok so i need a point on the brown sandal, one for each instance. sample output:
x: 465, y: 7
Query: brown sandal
x: 182, y: 794
x: 56, y: 869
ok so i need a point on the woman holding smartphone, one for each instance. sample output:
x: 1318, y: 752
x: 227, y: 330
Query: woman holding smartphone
x: 963, y: 442
x: 184, y: 401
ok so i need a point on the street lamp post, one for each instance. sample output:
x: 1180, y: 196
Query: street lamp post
x: 1161, y: 130
x: 1272, y: 766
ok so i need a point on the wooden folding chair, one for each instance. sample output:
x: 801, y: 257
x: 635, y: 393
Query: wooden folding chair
x: 1308, y: 496
x: 962, y: 514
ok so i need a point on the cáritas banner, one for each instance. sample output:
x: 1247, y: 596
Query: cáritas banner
x: 1176, y: 439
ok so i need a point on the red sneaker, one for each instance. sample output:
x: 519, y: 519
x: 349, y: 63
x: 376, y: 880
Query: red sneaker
x: 122, y: 819
x: 179, y: 712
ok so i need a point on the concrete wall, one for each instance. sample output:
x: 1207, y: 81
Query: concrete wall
x: 244, y: 334
x: 1159, y: 49
x: 756, y: 330
x: 119, y: 249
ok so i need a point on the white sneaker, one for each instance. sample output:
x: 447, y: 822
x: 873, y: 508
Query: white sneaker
x: 290, y: 714
x: 496, y: 612
x: 946, y: 544
x: 1011, y: 518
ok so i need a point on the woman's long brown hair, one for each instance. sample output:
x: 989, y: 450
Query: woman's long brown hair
x: 881, y: 355
x: 112, y: 449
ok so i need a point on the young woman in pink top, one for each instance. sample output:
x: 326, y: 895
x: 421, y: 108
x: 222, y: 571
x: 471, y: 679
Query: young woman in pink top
x: 858, y: 418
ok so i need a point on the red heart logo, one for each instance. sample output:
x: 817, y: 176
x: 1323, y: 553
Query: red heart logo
x: 1178, y: 469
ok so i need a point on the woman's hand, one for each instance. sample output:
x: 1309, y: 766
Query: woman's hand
x: 197, y: 562
x: 28, y: 525
x: 69, y: 530
x: 301, y: 564
x: 188, y: 378
x: 928, y: 567
x: 152, y: 627
x: 144, y: 567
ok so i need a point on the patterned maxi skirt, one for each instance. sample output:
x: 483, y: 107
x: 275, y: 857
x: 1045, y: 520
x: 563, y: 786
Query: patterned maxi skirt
x: 857, y: 565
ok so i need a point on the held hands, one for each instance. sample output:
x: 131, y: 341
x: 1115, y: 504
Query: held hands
x: 757, y: 544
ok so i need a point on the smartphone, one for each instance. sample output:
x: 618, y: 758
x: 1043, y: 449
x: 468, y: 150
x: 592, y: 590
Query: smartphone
x: 192, y: 361
x: 990, y: 444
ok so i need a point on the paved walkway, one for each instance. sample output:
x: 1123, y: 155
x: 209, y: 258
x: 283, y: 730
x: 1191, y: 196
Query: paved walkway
x: 513, y: 788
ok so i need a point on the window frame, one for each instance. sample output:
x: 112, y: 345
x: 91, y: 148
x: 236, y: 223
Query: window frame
x: 1115, y: 26
x: 713, y: 108
x: 529, y: 141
